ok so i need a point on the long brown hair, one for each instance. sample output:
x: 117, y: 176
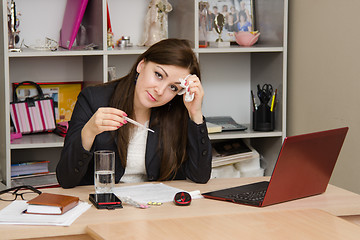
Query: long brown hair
x: 172, y: 118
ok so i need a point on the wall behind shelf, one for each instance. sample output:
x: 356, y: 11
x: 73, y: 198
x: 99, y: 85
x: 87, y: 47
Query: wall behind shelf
x: 227, y: 88
x: 58, y: 69
x: 123, y: 20
x: 35, y: 18
x: 122, y: 63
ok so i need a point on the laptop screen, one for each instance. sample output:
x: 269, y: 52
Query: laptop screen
x: 305, y: 165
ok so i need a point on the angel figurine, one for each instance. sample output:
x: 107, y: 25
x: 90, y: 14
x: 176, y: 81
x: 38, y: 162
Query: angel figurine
x: 156, y: 22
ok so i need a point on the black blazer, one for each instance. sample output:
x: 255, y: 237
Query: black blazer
x: 76, y: 165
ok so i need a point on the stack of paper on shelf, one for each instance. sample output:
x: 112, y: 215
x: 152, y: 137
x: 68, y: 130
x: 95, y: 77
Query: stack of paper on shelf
x: 234, y: 158
x: 37, y: 180
x: 28, y: 168
x: 232, y: 151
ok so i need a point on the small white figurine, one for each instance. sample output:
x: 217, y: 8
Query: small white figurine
x: 156, y: 22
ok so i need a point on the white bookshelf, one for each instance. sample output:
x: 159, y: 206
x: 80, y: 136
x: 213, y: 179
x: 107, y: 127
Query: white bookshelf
x: 228, y: 74
x: 236, y: 49
x: 41, y: 140
x: 244, y: 134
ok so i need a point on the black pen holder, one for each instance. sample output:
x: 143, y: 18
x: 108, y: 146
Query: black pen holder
x: 263, y: 118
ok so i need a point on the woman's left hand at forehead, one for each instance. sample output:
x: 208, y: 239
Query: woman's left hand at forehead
x: 194, y: 107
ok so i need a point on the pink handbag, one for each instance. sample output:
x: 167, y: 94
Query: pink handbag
x: 35, y: 114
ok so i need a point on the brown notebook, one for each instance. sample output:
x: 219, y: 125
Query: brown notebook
x: 49, y: 203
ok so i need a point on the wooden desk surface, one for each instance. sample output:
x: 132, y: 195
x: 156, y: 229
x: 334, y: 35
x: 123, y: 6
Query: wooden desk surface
x: 310, y: 224
x: 336, y: 201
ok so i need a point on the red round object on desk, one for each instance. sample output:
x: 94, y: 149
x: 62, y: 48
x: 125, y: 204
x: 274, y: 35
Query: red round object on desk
x: 182, y: 199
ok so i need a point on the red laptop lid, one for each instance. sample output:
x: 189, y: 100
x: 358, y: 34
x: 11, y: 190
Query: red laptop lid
x: 304, y: 165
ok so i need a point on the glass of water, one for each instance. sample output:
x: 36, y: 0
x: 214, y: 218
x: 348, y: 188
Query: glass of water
x: 104, y: 171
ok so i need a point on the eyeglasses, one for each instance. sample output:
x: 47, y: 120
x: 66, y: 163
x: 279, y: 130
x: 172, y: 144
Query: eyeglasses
x: 26, y: 192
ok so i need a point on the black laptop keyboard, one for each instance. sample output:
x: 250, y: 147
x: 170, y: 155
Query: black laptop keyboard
x: 254, y: 196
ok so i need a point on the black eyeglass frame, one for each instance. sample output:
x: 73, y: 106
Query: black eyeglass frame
x: 18, y: 188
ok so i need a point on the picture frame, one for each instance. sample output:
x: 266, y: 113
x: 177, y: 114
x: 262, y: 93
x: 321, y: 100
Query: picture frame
x: 238, y: 15
x: 64, y: 95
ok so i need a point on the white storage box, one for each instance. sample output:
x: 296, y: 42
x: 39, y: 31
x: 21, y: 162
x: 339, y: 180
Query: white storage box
x: 227, y: 171
x: 252, y: 173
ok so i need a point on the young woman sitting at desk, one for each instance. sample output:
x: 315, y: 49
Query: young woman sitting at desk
x: 150, y: 94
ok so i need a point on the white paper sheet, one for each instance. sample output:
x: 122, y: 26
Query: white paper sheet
x: 152, y: 192
x: 13, y: 214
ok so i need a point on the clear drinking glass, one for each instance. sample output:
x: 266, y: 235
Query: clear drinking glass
x: 104, y: 171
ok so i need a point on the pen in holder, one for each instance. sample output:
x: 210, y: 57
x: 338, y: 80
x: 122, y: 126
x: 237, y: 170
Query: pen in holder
x: 263, y: 118
x: 264, y: 115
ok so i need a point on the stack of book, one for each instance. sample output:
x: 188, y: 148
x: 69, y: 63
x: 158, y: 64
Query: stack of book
x: 36, y: 180
x: 35, y: 174
x: 28, y: 168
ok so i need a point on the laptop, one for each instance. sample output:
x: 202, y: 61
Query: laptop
x: 303, y: 168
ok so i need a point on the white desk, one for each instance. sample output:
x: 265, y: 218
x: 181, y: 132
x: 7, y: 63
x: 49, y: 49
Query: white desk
x: 336, y: 201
